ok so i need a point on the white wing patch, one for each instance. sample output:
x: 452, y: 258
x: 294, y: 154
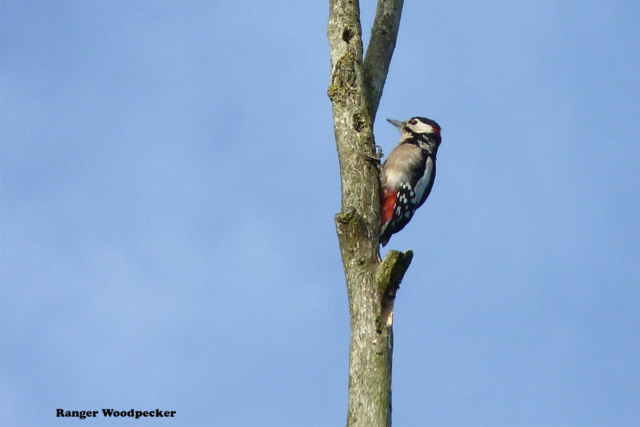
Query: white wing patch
x: 423, y: 182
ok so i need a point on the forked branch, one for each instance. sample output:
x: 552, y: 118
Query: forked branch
x: 355, y: 93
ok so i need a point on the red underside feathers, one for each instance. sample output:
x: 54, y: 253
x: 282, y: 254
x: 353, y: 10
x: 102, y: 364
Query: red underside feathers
x: 388, y: 204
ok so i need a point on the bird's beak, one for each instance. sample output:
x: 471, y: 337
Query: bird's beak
x: 396, y: 123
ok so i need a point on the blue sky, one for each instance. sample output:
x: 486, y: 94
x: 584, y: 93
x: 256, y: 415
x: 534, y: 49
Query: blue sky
x: 168, y: 185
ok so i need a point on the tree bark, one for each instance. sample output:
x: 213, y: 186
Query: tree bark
x: 380, y: 50
x: 355, y: 90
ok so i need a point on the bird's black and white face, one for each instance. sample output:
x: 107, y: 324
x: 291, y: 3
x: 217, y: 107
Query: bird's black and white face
x: 424, y: 131
x: 423, y: 126
x: 417, y: 126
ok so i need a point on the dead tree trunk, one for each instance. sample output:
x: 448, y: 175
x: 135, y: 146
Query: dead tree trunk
x: 355, y: 89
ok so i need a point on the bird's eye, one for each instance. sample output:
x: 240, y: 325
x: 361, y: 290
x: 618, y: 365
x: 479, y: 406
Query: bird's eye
x: 413, y: 121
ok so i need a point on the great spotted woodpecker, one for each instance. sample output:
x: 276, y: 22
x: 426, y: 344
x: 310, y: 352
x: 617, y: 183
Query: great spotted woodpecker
x: 407, y: 174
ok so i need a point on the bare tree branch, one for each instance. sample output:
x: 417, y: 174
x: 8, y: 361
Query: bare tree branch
x: 358, y: 223
x: 384, y: 34
x: 390, y: 274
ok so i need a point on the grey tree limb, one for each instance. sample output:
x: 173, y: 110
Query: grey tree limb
x: 382, y: 43
x: 371, y: 285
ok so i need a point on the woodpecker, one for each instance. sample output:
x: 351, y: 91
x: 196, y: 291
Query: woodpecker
x: 407, y: 174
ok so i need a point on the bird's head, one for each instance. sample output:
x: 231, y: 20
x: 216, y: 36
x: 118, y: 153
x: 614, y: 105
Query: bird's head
x: 419, y: 128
